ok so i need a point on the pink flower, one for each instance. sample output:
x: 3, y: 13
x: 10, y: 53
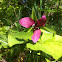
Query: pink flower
x: 28, y: 22
x: 36, y: 35
x: 42, y: 21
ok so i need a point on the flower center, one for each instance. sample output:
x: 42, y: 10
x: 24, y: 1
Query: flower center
x: 35, y: 27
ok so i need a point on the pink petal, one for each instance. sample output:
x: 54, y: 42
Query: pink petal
x: 36, y: 35
x: 26, y: 22
x: 42, y: 21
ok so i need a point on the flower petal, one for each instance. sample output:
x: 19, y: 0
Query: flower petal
x: 26, y: 22
x: 42, y: 21
x: 36, y: 35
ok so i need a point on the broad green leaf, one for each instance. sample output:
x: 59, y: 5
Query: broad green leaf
x: 58, y: 38
x: 49, y: 30
x: 46, y: 36
x: 18, y: 38
x: 3, y: 40
x: 51, y: 46
x: 3, y: 37
x: 3, y: 44
x: 48, y: 60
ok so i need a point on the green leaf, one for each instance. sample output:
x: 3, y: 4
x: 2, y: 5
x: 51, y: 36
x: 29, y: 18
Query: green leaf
x: 3, y: 37
x: 18, y: 38
x: 3, y: 44
x: 3, y: 40
x: 48, y: 60
x: 33, y: 15
x: 5, y: 28
x: 40, y: 8
x: 48, y: 29
x: 58, y: 38
x: 46, y: 36
x: 51, y: 46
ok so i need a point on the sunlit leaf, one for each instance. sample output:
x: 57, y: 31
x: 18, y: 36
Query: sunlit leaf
x: 49, y: 30
x: 48, y: 60
x: 3, y: 44
x: 46, y: 36
x: 51, y: 46
x: 3, y: 40
x: 18, y: 38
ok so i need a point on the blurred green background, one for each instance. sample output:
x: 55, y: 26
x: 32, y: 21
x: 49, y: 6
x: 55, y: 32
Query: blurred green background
x: 12, y: 11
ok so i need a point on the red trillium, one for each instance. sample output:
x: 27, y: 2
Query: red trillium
x: 28, y: 22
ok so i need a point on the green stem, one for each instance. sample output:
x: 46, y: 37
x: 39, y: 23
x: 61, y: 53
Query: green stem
x: 40, y: 7
x: 29, y: 29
